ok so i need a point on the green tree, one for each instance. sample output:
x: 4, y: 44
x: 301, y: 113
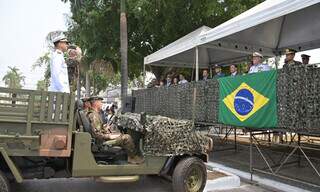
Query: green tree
x: 13, y: 78
x: 42, y: 85
x: 44, y: 61
x: 152, y: 24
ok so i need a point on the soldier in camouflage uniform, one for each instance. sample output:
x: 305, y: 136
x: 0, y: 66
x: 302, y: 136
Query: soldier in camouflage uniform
x: 86, y: 104
x: 107, y: 132
x: 73, y: 63
x: 289, y: 61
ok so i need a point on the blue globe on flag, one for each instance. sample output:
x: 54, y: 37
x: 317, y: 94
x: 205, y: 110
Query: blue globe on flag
x: 243, y: 102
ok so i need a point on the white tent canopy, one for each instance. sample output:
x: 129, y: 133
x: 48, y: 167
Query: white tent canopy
x: 269, y: 28
x: 182, y: 45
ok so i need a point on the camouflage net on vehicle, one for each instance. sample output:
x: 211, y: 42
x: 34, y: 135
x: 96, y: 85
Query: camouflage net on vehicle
x: 298, y: 100
x: 164, y: 136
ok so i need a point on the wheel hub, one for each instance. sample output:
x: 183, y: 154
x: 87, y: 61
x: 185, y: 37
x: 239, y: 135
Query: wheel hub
x: 194, y: 180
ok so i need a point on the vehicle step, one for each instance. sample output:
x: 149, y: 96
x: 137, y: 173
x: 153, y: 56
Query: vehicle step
x: 118, y: 179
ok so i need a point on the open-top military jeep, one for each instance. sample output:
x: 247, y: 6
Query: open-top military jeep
x: 43, y: 135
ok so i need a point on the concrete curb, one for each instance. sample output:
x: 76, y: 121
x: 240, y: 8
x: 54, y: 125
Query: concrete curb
x: 227, y: 182
x: 260, y: 180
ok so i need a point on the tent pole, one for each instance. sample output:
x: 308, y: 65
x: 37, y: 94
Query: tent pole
x: 197, y: 63
x: 277, y: 59
x: 144, y: 76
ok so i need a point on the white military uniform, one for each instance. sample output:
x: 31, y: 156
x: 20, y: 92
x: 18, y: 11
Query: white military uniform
x: 259, y: 67
x: 59, y: 73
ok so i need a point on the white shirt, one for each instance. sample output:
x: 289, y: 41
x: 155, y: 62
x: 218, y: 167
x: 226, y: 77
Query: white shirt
x: 234, y: 73
x: 59, y: 81
x: 183, y: 81
x: 259, y: 67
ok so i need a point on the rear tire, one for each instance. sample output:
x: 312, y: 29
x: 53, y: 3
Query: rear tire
x: 4, y: 183
x: 190, y: 175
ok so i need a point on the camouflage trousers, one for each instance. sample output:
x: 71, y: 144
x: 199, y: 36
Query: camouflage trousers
x: 125, y: 141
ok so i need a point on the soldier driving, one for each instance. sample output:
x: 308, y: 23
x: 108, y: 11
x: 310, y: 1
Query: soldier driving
x: 86, y: 104
x: 107, y: 132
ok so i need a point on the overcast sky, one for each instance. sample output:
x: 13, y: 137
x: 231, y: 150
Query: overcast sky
x: 24, y: 26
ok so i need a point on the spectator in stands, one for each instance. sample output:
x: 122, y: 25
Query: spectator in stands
x: 161, y: 83
x: 218, y: 71
x: 289, y: 61
x: 205, y: 75
x: 182, y: 79
x: 258, y: 66
x: 168, y: 80
x: 234, y: 70
x: 152, y: 84
x: 305, y: 59
x: 175, y: 81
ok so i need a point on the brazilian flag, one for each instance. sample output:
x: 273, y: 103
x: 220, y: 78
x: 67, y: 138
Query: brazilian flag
x: 249, y: 100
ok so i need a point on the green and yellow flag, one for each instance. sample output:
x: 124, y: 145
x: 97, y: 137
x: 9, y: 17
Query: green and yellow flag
x: 249, y: 100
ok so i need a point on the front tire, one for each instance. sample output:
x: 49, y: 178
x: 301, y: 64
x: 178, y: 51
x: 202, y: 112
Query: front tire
x: 4, y: 183
x: 190, y: 175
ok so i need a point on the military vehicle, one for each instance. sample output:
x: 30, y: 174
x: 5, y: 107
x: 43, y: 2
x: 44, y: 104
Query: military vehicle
x: 45, y: 135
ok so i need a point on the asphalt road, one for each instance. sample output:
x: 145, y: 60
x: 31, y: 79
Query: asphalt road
x: 146, y: 184
x: 89, y: 185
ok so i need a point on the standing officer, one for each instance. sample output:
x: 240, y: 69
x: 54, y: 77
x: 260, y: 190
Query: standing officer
x: 305, y: 59
x: 258, y: 66
x: 289, y: 61
x: 59, y: 81
x: 107, y: 132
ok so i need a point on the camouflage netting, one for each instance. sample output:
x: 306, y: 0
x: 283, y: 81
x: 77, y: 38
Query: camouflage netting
x: 177, y: 101
x: 298, y: 100
x: 164, y: 136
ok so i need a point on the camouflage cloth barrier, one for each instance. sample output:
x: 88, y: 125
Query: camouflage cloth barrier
x: 298, y: 100
x: 164, y: 136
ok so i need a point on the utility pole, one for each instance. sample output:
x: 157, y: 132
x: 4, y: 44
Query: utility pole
x: 123, y: 52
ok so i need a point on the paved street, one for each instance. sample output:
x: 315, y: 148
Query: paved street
x: 87, y: 185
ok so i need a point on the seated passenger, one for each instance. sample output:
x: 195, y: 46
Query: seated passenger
x: 258, y: 66
x: 107, y: 132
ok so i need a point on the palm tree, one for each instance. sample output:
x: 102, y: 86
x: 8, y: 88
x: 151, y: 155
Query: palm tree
x: 44, y: 61
x: 123, y: 51
x: 13, y: 78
